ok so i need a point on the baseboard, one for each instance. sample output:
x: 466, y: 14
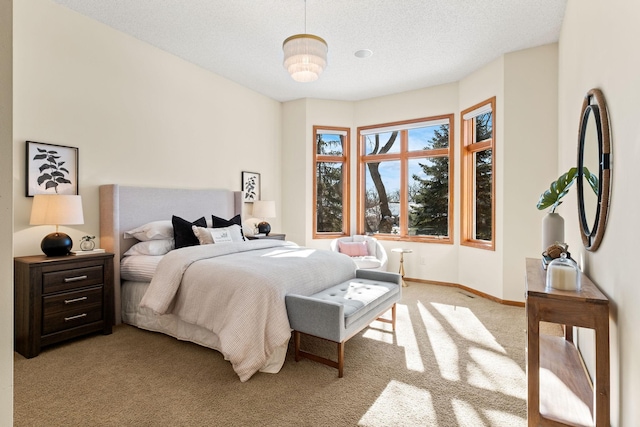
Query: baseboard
x: 470, y: 290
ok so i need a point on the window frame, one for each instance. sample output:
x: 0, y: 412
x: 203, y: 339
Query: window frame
x: 403, y: 156
x: 346, y: 181
x: 468, y: 148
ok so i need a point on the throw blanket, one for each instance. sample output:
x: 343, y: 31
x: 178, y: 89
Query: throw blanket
x: 237, y: 290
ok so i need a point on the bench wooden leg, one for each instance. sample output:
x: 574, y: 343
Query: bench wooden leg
x: 393, y: 317
x: 296, y: 340
x: 340, y: 358
x: 301, y: 354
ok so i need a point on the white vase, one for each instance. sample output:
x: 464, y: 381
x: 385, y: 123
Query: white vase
x: 552, y: 230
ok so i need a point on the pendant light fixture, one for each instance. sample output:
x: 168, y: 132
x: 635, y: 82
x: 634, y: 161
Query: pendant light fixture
x: 305, y: 55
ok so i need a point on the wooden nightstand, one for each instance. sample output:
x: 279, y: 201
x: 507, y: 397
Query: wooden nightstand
x: 273, y: 236
x: 58, y: 298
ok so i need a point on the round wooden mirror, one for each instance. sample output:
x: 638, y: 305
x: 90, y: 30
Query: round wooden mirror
x: 594, y: 169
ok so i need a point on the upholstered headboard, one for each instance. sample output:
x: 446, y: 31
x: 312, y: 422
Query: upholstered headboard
x: 124, y: 208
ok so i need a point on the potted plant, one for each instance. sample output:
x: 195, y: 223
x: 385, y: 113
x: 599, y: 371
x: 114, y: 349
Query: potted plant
x: 553, y: 223
x: 557, y: 190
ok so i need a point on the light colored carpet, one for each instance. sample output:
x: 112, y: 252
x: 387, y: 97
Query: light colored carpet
x: 456, y: 359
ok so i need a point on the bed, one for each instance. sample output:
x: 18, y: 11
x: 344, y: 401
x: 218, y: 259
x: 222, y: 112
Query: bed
x: 228, y: 297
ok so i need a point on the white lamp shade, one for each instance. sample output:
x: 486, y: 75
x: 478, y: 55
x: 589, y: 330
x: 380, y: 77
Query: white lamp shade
x: 305, y: 57
x: 264, y: 209
x: 56, y: 209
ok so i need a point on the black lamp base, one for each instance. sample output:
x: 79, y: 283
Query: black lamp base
x: 264, y: 228
x: 56, y: 244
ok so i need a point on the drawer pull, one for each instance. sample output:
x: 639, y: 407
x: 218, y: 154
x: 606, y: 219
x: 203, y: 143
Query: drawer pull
x: 66, y: 319
x: 74, y: 279
x: 71, y: 301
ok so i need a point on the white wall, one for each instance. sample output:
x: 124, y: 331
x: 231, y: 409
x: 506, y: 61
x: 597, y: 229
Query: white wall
x: 138, y: 115
x: 482, y: 269
x: 528, y: 162
x: 6, y: 213
x: 597, y: 50
x: 296, y: 218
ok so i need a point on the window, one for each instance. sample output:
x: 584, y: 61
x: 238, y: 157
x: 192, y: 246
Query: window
x: 404, y: 181
x: 331, y: 181
x: 478, y: 176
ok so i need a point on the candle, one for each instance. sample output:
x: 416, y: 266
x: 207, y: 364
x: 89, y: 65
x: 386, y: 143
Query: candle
x: 562, y: 277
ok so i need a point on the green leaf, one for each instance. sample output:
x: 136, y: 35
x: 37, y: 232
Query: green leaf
x: 557, y: 190
x: 591, y: 178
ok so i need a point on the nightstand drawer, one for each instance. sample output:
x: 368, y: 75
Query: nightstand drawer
x: 63, y: 280
x: 71, y: 309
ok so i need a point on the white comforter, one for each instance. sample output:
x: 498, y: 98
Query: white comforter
x: 236, y: 290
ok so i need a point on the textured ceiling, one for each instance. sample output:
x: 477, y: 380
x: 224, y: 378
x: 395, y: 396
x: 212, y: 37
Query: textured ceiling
x: 415, y: 43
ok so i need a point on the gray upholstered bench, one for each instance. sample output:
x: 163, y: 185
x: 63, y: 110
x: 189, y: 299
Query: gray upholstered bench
x: 341, y: 311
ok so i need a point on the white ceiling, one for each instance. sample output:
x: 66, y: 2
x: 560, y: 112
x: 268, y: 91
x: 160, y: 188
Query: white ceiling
x: 415, y: 43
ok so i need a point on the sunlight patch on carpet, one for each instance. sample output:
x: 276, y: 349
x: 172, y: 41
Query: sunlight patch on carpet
x: 444, y: 347
x: 466, y: 414
x: 401, y: 404
x: 380, y: 331
x: 501, y: 418
x: 510, y: 379
x: 406, y: 336
x: 468, y: 326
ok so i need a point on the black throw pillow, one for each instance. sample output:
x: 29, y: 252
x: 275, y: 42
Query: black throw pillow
x: 183, y: 233
x: 221, y: 222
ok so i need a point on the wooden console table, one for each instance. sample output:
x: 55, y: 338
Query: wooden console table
x: 559, y: 389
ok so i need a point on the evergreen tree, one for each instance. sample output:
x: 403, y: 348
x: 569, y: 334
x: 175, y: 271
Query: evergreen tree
x: 329, y: 176
x: 484, y: 178
x: 429, y: 196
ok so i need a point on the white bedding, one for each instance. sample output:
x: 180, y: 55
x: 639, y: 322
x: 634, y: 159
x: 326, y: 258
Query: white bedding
x: 170, y: 324
x: 139, y: 268
x: 236, y: 291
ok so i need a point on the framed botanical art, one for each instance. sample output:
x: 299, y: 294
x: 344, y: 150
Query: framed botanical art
x: 250, y: 186
x: 51, y: 169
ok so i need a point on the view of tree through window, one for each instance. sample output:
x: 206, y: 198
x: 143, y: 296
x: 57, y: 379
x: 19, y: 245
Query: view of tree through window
x: 406, y: 188
x: 429, y: 190
x: 331, y: 186
x: 483, y: 178
x: 478, y: 194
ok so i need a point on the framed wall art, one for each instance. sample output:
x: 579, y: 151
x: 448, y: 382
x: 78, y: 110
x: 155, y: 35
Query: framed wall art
x: 51, y: 169
x: 250, y: 186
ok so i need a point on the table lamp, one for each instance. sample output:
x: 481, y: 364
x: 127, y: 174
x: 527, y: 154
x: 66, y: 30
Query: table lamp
x: 264, y: 209
x: 56, y: 209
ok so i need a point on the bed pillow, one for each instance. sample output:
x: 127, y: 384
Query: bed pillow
x: 221, y: 222
x: 154, y: 230
x: 182, y: 232
x: 151, y: 247
x: 207, y: 236
x: 353, y: 248
x: 203, y: 235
